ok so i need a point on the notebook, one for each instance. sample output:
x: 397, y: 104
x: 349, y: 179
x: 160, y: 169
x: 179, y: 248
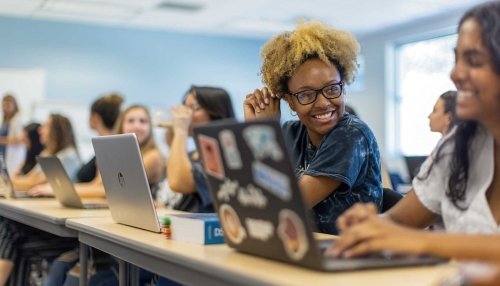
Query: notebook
x: 259, y: 203
x: 7, y: 188
x: 120, y: 163
x: 62, y: 186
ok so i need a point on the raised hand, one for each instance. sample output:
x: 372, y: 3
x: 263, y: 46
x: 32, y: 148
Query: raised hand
x: 261, y: 103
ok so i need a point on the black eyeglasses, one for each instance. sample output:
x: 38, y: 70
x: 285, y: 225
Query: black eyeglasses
x: 330, y: 91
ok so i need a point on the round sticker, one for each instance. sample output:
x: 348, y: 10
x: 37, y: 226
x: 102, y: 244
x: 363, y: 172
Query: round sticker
x: 231, y: 224
x: 292, y: 234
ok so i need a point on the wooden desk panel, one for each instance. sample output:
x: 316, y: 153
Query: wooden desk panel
x: 45, y: 214
x: 219, y: 265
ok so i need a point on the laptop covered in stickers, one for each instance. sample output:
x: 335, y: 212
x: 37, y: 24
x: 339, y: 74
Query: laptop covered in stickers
x: 259, y: 202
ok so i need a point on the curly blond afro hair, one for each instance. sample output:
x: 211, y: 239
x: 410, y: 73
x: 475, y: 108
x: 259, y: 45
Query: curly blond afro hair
x: 283, y: 54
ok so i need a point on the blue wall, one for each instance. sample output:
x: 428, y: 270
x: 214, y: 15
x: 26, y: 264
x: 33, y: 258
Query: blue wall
x: 150, y: 67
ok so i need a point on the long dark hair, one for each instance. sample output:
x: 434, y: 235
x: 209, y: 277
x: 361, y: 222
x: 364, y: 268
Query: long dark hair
x: 450, y: 106
x: 34, y: 149
x: 216, y: 101
x: 487, y: 16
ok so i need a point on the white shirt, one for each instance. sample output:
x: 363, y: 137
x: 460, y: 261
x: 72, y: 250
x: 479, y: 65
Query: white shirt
x: 431, y: 191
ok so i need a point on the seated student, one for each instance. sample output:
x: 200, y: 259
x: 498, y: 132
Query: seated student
x: 443, y: 117
x: 31, y: 141
x: 57, y: 137
x: 56, y: 134
x: 185, y: 173
x: 336, y: 157
x: 136, y: 119
x: 103, y: 115
x: 460, y: 181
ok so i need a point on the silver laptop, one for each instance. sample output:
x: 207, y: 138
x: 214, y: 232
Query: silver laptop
x: 7, y: 188
x: 259, y: 202
x: 63, y: 187
x: 122, y: 170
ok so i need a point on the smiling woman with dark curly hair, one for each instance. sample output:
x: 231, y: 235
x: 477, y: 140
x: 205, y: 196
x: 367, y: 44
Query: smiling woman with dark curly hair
x: 337, y: 156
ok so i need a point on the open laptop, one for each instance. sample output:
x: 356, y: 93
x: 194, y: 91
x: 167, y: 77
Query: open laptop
x: 260, y: 205
x: 122, y: 170
x: 63, y: 187
x: 7, y: 188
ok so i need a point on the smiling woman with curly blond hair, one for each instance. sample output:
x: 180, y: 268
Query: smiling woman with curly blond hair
x: 285, y: 53
x: 336, y: 155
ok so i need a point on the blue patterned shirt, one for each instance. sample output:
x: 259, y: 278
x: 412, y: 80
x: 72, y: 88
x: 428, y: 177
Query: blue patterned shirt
x: 348, y: 154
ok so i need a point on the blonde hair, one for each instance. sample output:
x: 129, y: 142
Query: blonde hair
x: 283, y: 54
x: 149, y: 143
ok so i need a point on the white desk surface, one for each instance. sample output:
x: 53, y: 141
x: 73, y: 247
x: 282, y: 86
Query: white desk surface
x: 45, y: 214
x: 219, y: 265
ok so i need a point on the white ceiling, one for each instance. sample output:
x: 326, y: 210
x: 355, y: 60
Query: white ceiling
x: 248, y: 18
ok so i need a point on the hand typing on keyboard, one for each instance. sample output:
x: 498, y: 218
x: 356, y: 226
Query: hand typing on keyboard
x: 363, y: 232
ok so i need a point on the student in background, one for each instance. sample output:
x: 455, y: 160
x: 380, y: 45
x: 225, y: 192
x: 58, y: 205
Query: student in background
x: 460, y: 181
x: 185, y: 174
x: 56, y: 134
x: 11, y: 144
x: 443, y: 116
x: 58, y: 139
x: 337, y: 156
x: 104, y: 113
x: 136, y: 119
x: 31, y: 141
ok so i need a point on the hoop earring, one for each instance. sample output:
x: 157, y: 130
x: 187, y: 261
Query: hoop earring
x: 292, y: 113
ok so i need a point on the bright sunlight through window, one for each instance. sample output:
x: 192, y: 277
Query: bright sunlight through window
x: 422, y: 75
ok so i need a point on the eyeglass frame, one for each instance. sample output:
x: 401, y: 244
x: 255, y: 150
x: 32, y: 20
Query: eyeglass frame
x: 320, y: 90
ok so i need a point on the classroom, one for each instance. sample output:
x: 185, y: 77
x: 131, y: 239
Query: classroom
x: 124, y: 121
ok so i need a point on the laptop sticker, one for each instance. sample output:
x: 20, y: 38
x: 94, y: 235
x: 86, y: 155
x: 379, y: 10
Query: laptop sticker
x: 230, y: 150
x: 272, y: 180
x: 212, y: 160
x: 259, y: 229
x: 252, y: 196
x: 262, y: 141
x: 227, y: 190
x: 291, y: 231
x: 231, y: 224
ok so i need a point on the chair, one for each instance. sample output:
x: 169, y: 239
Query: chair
x: 389, y: 199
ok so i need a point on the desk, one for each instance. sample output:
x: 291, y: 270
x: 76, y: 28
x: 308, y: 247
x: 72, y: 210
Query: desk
x: 194, y: 264
x: 45, y: 214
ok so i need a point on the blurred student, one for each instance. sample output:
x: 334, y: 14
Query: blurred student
x: 11, y: 144
x: 460, y: 181
x: 104, y: 113
x: 33, y: 145
x: 443, y: 116
x: 56, y: 134
x: 185, y: 174
x: 58, y: 139
x: 135, y: 119
x: 337, y: 155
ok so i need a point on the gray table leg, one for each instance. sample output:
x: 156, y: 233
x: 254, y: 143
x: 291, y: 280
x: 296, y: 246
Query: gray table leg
x: 134, y: 275
x: 122, y: 272
x: 83, y: 264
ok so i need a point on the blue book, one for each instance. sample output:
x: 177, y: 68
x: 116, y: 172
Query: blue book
x: 201, y: 228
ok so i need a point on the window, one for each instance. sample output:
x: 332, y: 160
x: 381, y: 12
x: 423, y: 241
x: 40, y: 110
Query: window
x: 422, y: 74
